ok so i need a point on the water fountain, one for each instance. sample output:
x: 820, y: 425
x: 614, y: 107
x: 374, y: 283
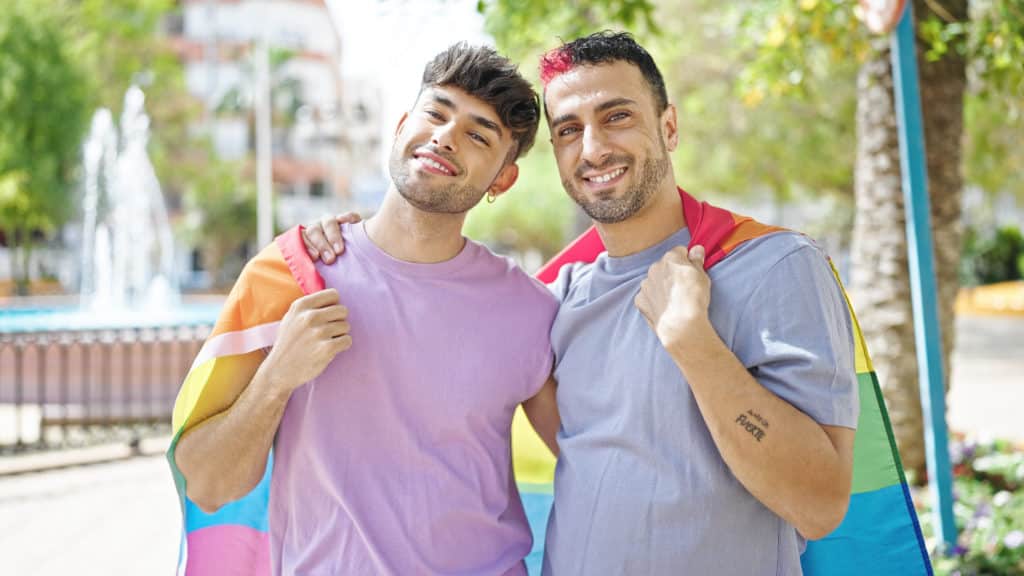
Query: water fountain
x: 127, y: 273
x: 127, y: 246
x: 117, y: 359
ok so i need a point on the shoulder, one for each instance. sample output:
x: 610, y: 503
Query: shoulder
x: 761, y: 256
x: 514, y: 282
x: 571, y: 278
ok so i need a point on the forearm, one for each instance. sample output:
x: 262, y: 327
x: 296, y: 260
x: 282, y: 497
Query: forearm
x: 782, y: 456
x: 224, y: 458
x: 542, y: 411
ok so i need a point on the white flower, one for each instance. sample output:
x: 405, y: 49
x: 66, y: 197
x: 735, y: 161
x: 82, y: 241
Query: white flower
x: 1014, y: 540
x: 1001, y: 498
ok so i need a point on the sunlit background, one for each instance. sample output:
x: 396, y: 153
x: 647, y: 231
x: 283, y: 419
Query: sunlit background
x: 130, y: 163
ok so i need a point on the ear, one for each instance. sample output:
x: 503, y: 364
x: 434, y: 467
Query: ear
x: 505, y: 179
x: 401, y: 122
x: 669, y: 129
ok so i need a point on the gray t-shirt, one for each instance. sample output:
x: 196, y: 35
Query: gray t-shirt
x: 640, y: 487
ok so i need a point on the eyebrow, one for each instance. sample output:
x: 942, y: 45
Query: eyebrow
x: 613, y: 103
x: 485, y: 122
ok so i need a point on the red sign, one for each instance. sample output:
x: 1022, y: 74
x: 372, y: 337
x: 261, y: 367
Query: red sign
x: 881, y: 16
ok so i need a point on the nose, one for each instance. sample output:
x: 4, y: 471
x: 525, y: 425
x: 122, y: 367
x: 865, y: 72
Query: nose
x: 444, y: 137
x: 595, y: 148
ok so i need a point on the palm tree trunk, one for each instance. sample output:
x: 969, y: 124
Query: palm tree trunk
x: 880, y: 275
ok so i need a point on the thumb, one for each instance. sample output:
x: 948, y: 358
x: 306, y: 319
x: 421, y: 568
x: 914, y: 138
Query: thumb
x: 697, y: 255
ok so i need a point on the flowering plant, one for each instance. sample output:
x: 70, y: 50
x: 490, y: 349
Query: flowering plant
x: 988, y: 495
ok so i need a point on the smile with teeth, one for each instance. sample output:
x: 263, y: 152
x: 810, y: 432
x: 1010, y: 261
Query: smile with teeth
x: 437, y: 166
x: 603, y: 178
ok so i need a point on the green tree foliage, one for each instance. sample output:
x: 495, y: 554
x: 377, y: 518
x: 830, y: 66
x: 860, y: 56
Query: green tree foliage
x: 738, y: 136
x: 534, y: 214
x: 43, y: 115
x: 524, y: 28
x: 221, y: 217
x: 992, y: 258
x: 799, y: 47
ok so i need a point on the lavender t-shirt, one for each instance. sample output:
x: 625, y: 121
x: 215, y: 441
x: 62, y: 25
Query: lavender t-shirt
x: 396, y: 460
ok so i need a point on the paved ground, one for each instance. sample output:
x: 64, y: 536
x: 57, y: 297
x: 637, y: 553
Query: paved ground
x: 987, y: 388
x: 115, y: 519
x: 121, y: 518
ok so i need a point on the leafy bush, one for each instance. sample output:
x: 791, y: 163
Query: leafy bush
x: 995, y: 258
x: 988, y: 493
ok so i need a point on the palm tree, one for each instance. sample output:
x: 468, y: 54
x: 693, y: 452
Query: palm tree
x: 880, y: 280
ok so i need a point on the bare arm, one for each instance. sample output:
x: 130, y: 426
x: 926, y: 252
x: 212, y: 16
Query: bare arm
x: 542, y: 411
x: 224, y: 457
x: 798, y: 468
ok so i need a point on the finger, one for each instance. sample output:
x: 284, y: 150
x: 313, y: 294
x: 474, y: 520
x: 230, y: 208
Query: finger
x: 333, y: 330
x: 697, y: 255
x: 321, y: 299
x: 641, y: 302
x: 317, y: 241
x: 313, y: 254
x: 332, y: 231
x: 349, y: 218
x: 333, y: 313
x: 342, y: 343
x: 677, y: 254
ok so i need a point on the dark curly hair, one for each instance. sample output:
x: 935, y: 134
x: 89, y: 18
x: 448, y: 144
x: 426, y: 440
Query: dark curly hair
x: 604, y: 48
x: 493, y: 78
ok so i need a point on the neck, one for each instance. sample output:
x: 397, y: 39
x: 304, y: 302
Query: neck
x: 410, y: 234
x: 659, y: 219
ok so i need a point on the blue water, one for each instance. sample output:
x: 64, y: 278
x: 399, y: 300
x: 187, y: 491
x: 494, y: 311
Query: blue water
x: 17, y: 320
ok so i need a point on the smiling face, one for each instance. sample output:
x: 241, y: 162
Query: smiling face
x: 449, y: 151
x: 610, y: 142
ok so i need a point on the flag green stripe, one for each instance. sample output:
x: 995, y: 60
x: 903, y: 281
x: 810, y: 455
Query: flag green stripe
x: 874, y: 463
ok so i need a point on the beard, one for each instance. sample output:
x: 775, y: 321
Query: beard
x: 430, y: 194
x: 612, y: 209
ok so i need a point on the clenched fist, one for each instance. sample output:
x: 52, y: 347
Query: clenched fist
x: 675, y: 296
x: 312, y: 333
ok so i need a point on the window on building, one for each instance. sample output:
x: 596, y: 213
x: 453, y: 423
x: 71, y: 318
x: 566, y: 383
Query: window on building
x: 317, y: 189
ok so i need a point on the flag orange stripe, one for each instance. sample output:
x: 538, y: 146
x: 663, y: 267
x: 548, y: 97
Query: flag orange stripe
x: 242, y: 310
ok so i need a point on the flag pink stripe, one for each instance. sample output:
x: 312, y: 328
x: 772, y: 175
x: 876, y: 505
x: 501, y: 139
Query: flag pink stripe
x: 238, y: 342
x: 228, y: 550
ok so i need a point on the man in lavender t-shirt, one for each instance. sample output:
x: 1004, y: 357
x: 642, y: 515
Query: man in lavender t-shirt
x: 393, y: 455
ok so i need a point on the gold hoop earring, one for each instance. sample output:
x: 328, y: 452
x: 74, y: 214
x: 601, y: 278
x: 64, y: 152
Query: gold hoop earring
x: 491, y: 197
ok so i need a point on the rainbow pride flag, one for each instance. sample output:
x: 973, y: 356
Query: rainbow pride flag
x: 234, y: 541
x: 880, y: 535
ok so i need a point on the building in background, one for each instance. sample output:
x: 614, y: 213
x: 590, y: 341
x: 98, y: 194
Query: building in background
x: 326, y: 144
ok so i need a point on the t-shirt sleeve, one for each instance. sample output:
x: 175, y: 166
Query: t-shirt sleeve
x: 796, y: 338
x: 560, y: 285
x: 542, y: 356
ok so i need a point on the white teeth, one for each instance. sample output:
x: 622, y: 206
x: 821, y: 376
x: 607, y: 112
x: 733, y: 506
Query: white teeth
x: 435, y: 165
x: 607, y: 177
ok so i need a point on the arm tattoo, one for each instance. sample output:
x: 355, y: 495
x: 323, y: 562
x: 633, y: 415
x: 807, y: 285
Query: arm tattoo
x: 753, y: 423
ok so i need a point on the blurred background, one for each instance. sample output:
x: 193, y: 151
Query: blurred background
x: 137, y: 138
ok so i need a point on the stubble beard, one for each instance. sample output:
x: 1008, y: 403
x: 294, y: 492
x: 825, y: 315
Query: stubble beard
x: 614, y: 210
x: 436, y: 198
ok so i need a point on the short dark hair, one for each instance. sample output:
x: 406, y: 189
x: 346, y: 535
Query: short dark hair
x: 493, y: 78
x: 604, y: 47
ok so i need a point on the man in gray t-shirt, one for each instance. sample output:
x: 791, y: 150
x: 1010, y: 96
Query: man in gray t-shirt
x: 707, y: 419
x: 640, y: 486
